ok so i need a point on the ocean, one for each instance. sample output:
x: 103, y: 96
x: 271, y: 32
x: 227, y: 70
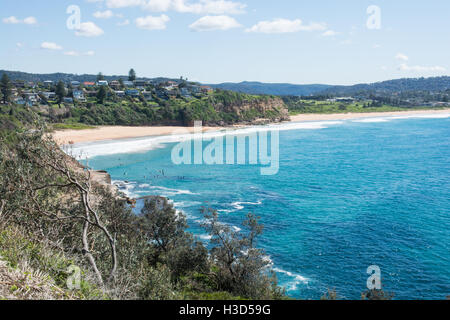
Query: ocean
x: 348, y: 194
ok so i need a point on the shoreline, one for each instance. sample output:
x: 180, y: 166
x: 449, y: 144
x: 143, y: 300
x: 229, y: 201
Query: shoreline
x: 103, y: 133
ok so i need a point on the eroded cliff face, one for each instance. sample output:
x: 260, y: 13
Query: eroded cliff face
x: 257, y: 110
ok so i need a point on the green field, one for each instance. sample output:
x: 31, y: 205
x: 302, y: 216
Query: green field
x: 327, y: 107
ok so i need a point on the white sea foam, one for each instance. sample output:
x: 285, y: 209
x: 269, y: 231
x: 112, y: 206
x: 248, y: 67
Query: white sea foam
x: 186, y: 204
x: 205, y: 237
x: 126, y: 187
x: 238, y: 206
x: 372, y: 120
x: 297, y: 279
x: 168, y: 191
x: 411, y: 116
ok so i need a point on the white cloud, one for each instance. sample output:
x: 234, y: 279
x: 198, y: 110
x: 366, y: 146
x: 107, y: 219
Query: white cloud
x: 124, y: 3
x: 19, y: 44
x: 209, y: 7
x: 401, y: 56
x: 330, y: 33
x: 50, y: 46
x: 104, y: 14
x: 123, y: 23
x: 77, y: 54
x: 376, y: 46
x: 11, y: 20
x: 157, y: 5
x: 182, y: 6
x: 14, y: 20
x: 210, y: 23
x: 285, y: 26
x: 71, y: 53
x: 89, y: 29
x: 30, y: 20
x: 405, y: 67
x: 152, y: 23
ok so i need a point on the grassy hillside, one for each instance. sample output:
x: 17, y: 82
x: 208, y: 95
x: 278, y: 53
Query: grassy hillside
x: 217, y: 108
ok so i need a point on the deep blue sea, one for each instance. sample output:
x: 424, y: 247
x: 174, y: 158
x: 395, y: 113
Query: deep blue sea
x: 348, y: 194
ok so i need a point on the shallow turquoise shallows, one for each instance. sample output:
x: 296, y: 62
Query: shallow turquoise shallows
x: 349, y: 194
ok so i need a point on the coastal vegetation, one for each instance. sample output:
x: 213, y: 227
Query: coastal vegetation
x: 323, y: 105
x: 56, y: 219
x: 220, y: 107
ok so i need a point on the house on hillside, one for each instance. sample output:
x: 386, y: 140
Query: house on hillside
x: 147, y: 95
x: 78, y: 95
x: 102, y: 83
x: 23, y: 102
x: 31, y: 97
x: 115, y: 85
x: 90, y: 93
x: 195, y: 89
x: 140, y: 83
x: 48, y: 83
x: 120, y: 94
x: 171, y: 85
x: 206, y: 89
x: 185, y: 92
x: 132, y: 93
x: 162, y: 94
x: 31, y: 84
x: 68, y: 100
x: 19, y: 84
x: 88, y: 84
x: 128, y: 84
x: 49, y: 95
x: 75, y: 84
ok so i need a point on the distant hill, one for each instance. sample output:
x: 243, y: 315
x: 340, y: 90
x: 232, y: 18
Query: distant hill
x: 279, y: 89
x: 435, y: 84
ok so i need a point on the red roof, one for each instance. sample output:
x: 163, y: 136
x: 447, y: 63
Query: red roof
x: 89, y: 83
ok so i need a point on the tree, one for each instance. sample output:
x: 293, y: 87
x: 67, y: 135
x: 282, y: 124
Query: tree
x: 161, y: 224
x: 165, y: 231
x: 100, y: 77
x: 132, y: 75
x: 60, y: 91
x: 121, y: 83
x: 377, y: 294
x: 240, y: 267
x: 5, y: 86
x: 101, y: 94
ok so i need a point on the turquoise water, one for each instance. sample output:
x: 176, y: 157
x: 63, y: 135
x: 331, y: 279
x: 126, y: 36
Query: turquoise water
x: 349, y: 194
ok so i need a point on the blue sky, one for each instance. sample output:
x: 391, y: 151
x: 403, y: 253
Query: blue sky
x: 212, y: 41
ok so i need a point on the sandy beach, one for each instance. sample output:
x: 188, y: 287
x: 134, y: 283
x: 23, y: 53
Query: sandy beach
x: 118, y: 132
x: 121, y: 132
x: 345, y: 116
